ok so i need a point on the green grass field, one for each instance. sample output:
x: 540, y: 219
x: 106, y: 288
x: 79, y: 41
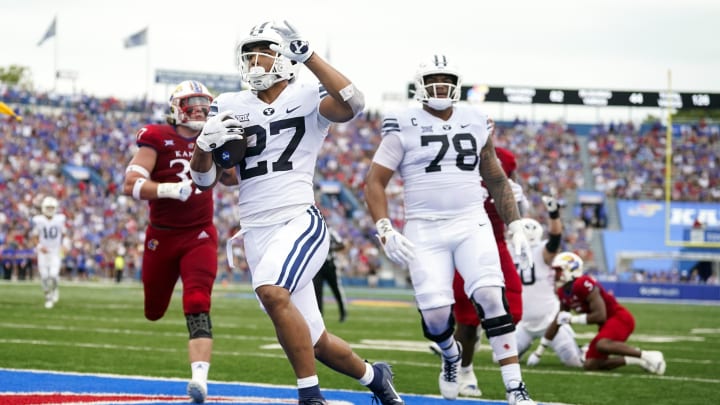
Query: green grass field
x: 100, y: 328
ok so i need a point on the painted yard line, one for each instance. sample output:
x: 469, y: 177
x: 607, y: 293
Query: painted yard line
x: 280, y: 355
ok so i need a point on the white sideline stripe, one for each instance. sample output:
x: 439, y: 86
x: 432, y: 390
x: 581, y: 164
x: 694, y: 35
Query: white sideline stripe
x: 105, y: 346
x: 705, y: 331
x: 8, y: 325
x: 578, y: 373
x: 574, y: 373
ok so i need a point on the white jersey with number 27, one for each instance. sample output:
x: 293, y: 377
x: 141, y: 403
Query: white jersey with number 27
x: 284, y: 139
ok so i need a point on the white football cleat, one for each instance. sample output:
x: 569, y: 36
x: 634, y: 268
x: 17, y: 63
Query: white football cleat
x: 519, y: 396
x: 55, y: 296
x: 448, y: 380
x: 654, y: 361
x: 48, y: 304
x: 197, y: 391
x: 468, y: 384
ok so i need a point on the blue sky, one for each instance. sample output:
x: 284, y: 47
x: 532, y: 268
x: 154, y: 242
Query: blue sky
x: 614, y: 44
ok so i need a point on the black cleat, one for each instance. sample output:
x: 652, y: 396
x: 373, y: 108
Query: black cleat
x: 386, y: 394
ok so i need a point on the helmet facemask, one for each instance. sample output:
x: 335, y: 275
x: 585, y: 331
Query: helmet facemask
x: 252, y: 54
x: 190, y: 100
x: 437, y: 84
x: 568, y: 266
x: 253, y: 71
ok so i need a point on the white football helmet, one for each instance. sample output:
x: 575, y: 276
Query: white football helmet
x: 428, y: 93
x: 49, y: 206
x: 533, y: 231
x: 570, y: 266
x: 186, y: 96
x: 247, y: 61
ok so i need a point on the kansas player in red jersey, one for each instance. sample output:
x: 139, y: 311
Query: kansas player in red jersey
x: 593, y: 305
x: 180, y: 240
x: 464, y: 310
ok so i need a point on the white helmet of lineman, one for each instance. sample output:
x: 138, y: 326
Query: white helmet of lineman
x: 570, y: 266
x: 49, y: 206
x: 247, y: 61
x: 428, y: 93
x: 533, y: 231
x: 187, y: 96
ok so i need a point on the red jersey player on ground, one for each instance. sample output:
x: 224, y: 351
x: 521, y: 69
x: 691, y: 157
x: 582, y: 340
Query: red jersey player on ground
x: 584, y: 295
x: 180, y: 240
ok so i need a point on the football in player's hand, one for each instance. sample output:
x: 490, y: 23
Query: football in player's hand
x: 232, y: 152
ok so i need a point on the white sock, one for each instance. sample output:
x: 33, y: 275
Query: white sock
x: 368, y: 376
x: 511, y: 375
x: 634, y: 360
x: 311, y: 381
x: 200, y: 370
x: 466, y: 369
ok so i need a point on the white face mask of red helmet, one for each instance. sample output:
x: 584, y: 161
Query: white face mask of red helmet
x: 569, y: 266
x: 186, y: 100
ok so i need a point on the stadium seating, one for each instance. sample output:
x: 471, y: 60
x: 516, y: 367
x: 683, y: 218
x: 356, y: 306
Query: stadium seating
x: 58, y: 132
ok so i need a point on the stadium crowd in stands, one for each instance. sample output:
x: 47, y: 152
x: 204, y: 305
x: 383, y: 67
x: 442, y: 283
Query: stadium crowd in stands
x: 58, y: 134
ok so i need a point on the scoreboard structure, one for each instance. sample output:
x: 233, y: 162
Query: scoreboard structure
x: 590, y: 97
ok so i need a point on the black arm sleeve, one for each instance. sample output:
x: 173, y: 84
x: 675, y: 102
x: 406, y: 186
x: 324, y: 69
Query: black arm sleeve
x: 553, y: 243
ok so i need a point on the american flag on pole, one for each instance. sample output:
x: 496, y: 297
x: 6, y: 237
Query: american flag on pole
x: 49, y: 33
x: 137, y: 39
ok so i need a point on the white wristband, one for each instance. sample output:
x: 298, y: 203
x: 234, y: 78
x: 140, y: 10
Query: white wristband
x: 168, y: 190
x: 204, y: 179
x: 545, y: 341
x: 137, y: 187
x: 139, y: 169
x: 353, y: 97
x: 579, y: 319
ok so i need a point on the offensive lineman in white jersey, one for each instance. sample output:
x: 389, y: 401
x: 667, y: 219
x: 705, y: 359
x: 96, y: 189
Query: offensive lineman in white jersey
x: 47, y: 232
x: 438, y: 149
x: 540, y: 302
x: 286, y: 240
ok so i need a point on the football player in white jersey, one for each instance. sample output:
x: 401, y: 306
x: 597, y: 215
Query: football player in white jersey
x: 286, y: 240
x: 48, y: 230
x: 540, y: 302
x: 438, y: 149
